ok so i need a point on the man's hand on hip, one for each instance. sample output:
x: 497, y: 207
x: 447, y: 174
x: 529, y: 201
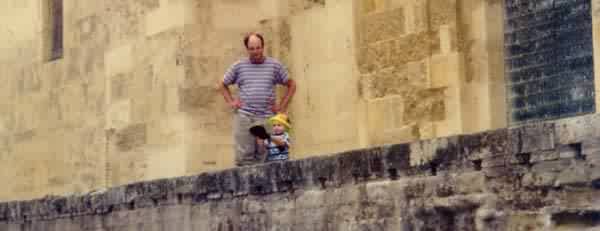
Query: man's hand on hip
x: 235, y: 104
x: 275, y: 108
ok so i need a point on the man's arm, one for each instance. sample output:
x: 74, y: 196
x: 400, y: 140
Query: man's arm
x: 224, y: 89
x: 291, y: 89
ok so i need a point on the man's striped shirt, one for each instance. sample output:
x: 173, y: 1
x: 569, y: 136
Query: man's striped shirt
x: 256, y: 83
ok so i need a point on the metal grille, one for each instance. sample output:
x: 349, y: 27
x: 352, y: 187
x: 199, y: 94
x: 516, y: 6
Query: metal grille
x: 549, y: 59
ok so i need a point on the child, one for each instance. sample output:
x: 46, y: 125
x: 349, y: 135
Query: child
x: 276, y: 146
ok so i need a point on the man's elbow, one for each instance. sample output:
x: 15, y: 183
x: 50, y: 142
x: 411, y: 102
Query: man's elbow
x: 220, y: 85
x: 291, y: 84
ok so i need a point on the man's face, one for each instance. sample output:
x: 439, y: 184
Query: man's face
x: 255, y: 49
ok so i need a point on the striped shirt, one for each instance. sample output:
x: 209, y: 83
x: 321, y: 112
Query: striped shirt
x: 256, y: 83
x: 275, y: 152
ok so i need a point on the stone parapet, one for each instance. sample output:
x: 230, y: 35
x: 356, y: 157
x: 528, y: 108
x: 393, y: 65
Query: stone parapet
x: 545, y: 172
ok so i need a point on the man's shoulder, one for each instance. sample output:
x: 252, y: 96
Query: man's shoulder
x: 272, y: 60
x: 241, y: 61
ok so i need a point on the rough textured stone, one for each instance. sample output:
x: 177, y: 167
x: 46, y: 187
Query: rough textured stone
x: 431, y: 184
x: 131, y: 100
x: 530, y: 138
x: 382, y: 26
x: 151, y: 62
x: 131, y: 137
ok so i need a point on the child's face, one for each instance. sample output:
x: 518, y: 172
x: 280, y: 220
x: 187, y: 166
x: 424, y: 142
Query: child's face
x: 278, y: 128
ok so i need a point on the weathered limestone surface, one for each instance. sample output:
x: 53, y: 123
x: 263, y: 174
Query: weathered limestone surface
x: 543, y: 176
x: 426, y: 67
x: 132, y: 97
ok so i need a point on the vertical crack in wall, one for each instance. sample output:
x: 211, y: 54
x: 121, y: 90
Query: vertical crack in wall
x: 53, y: 28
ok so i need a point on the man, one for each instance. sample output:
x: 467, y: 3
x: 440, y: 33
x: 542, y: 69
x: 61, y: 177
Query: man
x: 256, y: 77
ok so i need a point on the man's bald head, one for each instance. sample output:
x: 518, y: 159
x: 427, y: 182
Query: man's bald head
x: 254, y: 46
x: 253, y: 36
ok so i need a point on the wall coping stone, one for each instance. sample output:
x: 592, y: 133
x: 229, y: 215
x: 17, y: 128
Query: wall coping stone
x: 529, y: 150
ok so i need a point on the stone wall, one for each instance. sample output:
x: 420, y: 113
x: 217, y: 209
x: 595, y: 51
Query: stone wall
x: 542, y: 176
x: 131, y: 98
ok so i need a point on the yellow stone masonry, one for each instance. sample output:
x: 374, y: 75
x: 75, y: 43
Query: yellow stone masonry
x: 132, y: 98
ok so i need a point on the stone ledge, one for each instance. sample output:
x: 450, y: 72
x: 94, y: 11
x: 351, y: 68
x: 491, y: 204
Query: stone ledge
x: 512, y: 152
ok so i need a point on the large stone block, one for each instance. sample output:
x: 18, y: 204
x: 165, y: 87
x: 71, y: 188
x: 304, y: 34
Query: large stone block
x: 484, y: 144
x: 164, y: 18
x: 373, y: 57
x: 197, y: 97
x: 439, y: 151
x: 118, y: 60
x: 405, y: 81
x: 397, y: 52
x: 416, y: 46
x: 324, y: 171
x: 577, y: 129
x: 299, y: 6
x: 545, y: 155
x: 201, y: 71
x: 75, y: 11
x: 131, y: 137
x: 355, y: 166
x: 590, y: 148
x: 120, y: 85
x: 442, y: 12
x: 124, y: 20
x: 380, y: 26
x: 577, y: 175
x: 427, y: 105
x: 90, y: 31
x: 385, y: 114
x: 530, y: 138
